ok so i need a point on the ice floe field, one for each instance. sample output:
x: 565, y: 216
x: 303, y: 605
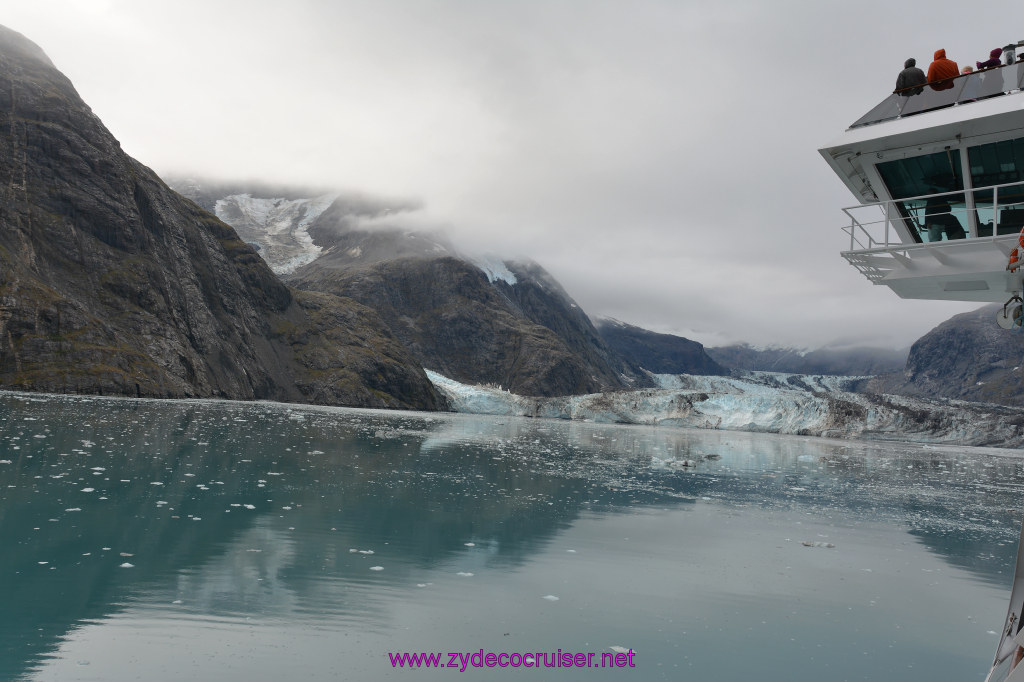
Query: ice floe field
x: 228, y: 541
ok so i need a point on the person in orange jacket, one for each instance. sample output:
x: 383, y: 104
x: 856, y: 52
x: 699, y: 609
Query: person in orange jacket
x: 942, y: 71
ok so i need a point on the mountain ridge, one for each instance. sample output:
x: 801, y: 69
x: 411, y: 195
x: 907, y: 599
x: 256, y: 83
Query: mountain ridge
x: 112, y: 283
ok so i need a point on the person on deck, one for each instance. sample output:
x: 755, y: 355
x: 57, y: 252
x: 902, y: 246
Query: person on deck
x: 942, y: 71
x: 940, y: 220
x: 995, y: 59
x: 911, y: 80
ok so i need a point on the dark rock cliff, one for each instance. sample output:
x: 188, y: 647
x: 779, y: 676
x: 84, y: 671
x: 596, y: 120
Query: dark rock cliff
x: 658, y: 353
x: 112, y: 283
x: 967, y: 357
x: 527, y: 336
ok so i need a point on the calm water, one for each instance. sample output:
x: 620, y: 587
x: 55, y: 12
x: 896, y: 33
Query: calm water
x: 146, y: 540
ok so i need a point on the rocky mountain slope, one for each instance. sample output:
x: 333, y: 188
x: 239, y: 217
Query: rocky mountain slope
x: 967, y: 357
x: 857, y: 361
x: 488, y: 321
x: 112, y: 283
x: 481, y: 319
x: 657, y: 353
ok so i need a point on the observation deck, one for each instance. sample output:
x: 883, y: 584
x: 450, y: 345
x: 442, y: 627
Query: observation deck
x: 940, y: 177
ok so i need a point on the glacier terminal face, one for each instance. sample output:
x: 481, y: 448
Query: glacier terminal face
x: 765, y: 402
x: 279, y: 227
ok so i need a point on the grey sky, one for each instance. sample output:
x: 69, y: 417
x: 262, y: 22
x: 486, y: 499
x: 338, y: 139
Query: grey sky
x: 658, y: 157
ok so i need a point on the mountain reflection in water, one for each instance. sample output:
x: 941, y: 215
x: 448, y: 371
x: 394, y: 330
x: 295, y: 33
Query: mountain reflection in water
x: 219, y: 540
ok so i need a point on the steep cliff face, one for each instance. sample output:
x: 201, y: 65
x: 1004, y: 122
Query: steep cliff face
x: 967, y: 357
x: 658, y: 353
x: 499, y: 322
x: 112, y: 283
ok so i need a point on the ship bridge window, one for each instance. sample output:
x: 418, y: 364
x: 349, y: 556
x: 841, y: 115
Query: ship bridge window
x: 914, y: 181
x: 1000, y: 164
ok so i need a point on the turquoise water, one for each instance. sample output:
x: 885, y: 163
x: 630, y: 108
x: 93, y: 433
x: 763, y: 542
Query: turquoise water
x: 148, y: 540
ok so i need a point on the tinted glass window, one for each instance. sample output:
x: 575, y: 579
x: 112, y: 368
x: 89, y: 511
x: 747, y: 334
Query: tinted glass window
x: 998, y: 163
x: 928, y: 174
x: 919, y: 175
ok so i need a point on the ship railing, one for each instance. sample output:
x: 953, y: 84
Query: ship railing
x: 972, y: 87
x: 976, y: 213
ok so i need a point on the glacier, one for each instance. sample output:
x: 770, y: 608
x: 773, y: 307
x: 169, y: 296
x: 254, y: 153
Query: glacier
x: 278, y: 226
x: 767, y: 402
x: 493, y: 267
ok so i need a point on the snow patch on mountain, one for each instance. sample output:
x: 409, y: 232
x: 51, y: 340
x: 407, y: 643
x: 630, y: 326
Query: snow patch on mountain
x: 761, y: 402
x: 279, y: 227
x: 494, y: 268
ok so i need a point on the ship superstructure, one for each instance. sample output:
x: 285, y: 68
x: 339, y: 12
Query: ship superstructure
x: 939, y: 174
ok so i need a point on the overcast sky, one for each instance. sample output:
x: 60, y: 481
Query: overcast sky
x: 659, y: 157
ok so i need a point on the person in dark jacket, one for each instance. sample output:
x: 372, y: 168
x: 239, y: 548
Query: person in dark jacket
x: 942, y: 71
x: 995, y: 59
x: 911, y: 79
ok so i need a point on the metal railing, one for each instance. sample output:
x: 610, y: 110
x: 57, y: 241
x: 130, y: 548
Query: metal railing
x: 876, y: 226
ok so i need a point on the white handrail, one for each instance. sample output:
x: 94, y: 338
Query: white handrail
x: 880, y: 231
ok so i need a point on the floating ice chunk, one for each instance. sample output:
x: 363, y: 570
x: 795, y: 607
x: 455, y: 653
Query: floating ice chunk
x: 88, y: 490
x: 42, y: 563
x: 5, y: 461
x: 550, y: 597
x: 176, y: 601
x: 249, y: 506
x: 73, y: 509
x: 571, y: 551
x: 470, y: 544
x: 156, y: 483
x: 621, y: 649
x: 126, y: 565
x: 464, y: 574
x: 376, y: 568
x: 366, y: 551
